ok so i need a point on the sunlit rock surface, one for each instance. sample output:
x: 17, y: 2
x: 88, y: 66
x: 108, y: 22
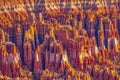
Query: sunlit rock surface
x: 59, y: 40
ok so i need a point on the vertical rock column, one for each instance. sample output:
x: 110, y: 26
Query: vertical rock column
x: 28, y: 58
x: 107, y: 30
x: 37, y: 60
x: 91, y: 24
x: 19, y: 42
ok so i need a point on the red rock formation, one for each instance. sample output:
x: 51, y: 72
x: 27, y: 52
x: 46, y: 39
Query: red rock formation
x: 59, y: 40
x: 28, y: 54
x: 37, y: 61
x: 54, y: 56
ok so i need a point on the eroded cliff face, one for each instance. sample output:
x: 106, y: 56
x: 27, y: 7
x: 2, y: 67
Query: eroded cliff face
x: 54, y: 39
